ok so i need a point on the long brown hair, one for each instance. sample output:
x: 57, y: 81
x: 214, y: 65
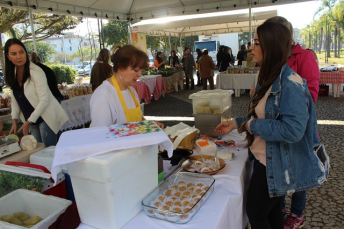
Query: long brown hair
x: 10, y: 76
x: 275, y: 43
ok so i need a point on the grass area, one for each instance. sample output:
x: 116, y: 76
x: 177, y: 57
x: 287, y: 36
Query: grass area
x: 331, y: 59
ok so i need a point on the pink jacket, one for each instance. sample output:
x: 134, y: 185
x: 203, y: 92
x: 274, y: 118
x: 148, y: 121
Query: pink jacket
x: 303, y: 63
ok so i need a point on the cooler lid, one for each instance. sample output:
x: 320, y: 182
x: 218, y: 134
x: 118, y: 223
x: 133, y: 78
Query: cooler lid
x: 46, y: 154
x: 106, y: 159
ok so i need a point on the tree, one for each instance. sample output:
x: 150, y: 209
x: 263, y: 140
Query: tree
x: 44, y: 51
x: 46, y: 25
x: 86, y: 52
x: 116, y: 32
x: 62, y: 57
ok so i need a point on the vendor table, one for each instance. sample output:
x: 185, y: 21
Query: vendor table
x: 236, y: 81
x: 334, y: 78
x: 225, y: 207
x: 23, y: 155
x: 148, y: 85
x: 175, y: 80
x: 78, y: 111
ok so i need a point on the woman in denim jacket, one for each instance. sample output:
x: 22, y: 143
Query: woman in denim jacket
x: 281, y: 130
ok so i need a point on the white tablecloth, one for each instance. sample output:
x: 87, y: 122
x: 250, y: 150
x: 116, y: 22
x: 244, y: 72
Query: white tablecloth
x: 236, y: 81
x: 75, y: 145
x: 225, y: 207
x: 78, y: 111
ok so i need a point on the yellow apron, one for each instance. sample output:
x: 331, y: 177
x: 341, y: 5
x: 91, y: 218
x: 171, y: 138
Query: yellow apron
x: 132, y: 115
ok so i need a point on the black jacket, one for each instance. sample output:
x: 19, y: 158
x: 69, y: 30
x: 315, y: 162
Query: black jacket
x: 52, y: 81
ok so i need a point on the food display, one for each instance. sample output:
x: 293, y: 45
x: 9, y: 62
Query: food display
x: 5, y: 104
x: 238, y: 70
x: 179, y: 198
x: 75, y: 90
x: 206, y: 164
x: 21, y: 219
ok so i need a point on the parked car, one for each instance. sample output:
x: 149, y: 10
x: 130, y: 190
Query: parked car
x: 85, y: 71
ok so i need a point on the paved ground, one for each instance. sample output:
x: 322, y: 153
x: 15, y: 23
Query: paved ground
x: 325, y: 204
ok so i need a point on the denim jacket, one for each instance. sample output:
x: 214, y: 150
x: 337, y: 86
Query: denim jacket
x: 290, y: 130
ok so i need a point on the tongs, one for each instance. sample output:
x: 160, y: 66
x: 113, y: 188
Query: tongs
x: 183, y: 164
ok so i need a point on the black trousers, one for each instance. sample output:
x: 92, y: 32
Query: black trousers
x: 262, y: 211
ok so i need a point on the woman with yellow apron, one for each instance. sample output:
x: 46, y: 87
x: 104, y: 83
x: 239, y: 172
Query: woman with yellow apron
x: 115, y: 101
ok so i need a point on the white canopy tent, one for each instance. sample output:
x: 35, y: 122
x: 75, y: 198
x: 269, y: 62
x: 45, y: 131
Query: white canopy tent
x: 207, y: 25
x: 136, y: 10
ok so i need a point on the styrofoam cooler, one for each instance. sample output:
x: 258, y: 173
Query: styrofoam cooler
x: 33, y: 204
x: 109, y: 188
x: 45, y: 157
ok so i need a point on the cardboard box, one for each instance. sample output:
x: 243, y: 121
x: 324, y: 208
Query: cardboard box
x: 33, y: 204
x: 188, y: 142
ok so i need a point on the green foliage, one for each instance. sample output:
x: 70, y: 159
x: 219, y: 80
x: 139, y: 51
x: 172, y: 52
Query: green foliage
x: 86, y: 52
x: 116, y: 32
x: 64, y: 73
x: 12, y: 181
x: 44, y: 51
x: 62, y: 57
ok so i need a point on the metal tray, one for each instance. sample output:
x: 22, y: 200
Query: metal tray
x: 183, y: 207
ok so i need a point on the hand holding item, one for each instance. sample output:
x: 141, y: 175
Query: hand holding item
x: 25, y: 128
x: 226, y: 127
x: 160, y: 124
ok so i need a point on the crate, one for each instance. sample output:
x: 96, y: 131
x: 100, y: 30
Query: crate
x: 32, y: 203
x: 323, y: 90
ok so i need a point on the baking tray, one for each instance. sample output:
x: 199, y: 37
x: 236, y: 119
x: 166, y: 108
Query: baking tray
x: 178, y: 202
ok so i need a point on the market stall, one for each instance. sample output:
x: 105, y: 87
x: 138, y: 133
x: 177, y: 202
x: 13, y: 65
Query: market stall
x: 236, y: 81
x: 78, y: 111
x: 225, y: 208
x: 336, y: 78
x: 174, y: 80
x: 149, y: 85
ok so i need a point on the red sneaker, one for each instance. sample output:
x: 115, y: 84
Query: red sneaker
x: 293, y: 222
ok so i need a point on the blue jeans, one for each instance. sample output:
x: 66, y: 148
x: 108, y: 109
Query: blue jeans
x: 43, y: 133
x: 298, y: 202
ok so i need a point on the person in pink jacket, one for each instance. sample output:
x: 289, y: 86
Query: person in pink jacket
x: 304, y: 63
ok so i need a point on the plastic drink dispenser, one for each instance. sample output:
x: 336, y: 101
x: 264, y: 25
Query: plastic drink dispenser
x: 109, y: 188
x: 208, y: 108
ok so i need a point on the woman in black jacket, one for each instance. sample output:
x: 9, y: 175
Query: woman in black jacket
x: 51, y: 78
x: 173, y: 59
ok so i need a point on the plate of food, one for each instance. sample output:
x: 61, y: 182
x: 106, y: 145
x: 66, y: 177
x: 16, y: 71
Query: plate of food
x: 206, y: 164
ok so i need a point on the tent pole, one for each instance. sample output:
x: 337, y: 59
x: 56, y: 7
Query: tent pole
x: 102, y: 32
x: 33, y: 32
x: 180, y: 41
x: 130, y: 41
x: 250, y: 22
x: 99, y: 37
x: 169, y: 41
